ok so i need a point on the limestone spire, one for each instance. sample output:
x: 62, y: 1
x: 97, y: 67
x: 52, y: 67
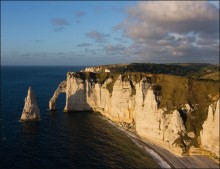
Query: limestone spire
x: 31, y: 110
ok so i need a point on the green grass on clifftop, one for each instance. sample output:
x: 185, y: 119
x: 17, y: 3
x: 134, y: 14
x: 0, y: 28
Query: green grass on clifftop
x: 190, y: 70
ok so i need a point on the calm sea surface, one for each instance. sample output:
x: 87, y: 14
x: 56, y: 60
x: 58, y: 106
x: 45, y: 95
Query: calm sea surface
x: 59, y: 140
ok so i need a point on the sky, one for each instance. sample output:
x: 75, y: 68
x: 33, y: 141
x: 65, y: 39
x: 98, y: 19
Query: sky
x: 109, y: 32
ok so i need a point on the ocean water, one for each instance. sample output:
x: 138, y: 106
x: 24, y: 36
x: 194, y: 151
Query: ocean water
x: 59, y: 140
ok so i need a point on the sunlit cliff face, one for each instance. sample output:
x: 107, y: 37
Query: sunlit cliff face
x: 161, y: 109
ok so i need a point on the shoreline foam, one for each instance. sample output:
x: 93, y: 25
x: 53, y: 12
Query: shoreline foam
x: 164, y: 157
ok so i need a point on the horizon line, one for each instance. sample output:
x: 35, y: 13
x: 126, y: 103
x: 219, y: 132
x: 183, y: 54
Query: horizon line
x: 119, y: 64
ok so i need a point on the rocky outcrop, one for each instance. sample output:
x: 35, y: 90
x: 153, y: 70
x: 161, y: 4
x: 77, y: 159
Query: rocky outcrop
x: 96, y: 69
x: 31, y: 111
x: 210, y: 132
x: 153, y: 106
x: 61, y: 89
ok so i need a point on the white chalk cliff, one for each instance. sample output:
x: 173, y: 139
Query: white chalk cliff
x: 61, y: 89
x: 30, y: 111
x: 95, y: 69
x: 134, y: 102
x: 210, y: 132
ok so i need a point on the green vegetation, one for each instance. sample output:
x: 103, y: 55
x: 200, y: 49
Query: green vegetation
x: 176, y: 91
x: 190, y: 70
x: 212, y: 76
x: 173, y: 90
x: 209, y: 72
x: 111, y: 85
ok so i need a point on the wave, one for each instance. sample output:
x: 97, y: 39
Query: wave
x: 157, y: 158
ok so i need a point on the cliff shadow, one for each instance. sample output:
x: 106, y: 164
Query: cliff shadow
x: 78, y: 102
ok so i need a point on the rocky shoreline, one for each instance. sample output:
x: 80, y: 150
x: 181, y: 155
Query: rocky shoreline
x: 164, y: 157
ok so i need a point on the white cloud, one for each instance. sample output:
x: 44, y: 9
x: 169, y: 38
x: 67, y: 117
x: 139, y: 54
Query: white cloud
x: 180, y: 30
x: 175, y: 16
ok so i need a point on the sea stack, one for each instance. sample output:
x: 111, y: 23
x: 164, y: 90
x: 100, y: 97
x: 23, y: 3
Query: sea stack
x: 31, y: 111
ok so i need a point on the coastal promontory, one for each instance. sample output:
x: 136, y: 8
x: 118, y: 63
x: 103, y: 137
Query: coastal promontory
x: 178, y: 113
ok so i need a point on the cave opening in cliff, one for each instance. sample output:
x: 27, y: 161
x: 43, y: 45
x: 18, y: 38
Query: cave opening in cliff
x: 60, y: 103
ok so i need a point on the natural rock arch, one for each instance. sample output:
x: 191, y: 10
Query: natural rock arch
x: 61, y: 89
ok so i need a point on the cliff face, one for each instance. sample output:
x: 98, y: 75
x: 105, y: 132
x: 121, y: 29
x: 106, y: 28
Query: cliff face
x: 210, y: 132
x: 165, y: 109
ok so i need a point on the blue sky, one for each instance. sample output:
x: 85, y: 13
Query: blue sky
x: 106, y: 32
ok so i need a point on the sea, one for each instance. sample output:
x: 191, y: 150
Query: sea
x: 59, y: 140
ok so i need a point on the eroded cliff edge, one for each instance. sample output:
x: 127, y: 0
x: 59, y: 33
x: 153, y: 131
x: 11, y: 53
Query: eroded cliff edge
x: 178, y: 113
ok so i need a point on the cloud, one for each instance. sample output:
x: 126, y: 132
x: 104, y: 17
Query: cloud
x: 118, y: 27
x: 172, y: 31
x: 59, y: 22
x: 39, y: 41
x: 58, y: 29
x: 180, y: 17
x: 84, y: 45
x: 97, y: 36
x: 114, y: 49
x: 90, y: 51
x: 80, y: 14
x: 78, y: 21
x: 121, y: 40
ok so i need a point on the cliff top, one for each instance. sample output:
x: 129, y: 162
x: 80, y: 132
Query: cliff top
x: 190, y: 70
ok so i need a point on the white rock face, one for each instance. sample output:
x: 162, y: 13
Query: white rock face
x: 130, y: 102
x: 85, y: 95
x: 61, y: 89
x: 210, y: 133
x: 76, y: 94
x: 121, y: 107
x: 152, y: 123
x: 95, y: 69
x: 31, y: 110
